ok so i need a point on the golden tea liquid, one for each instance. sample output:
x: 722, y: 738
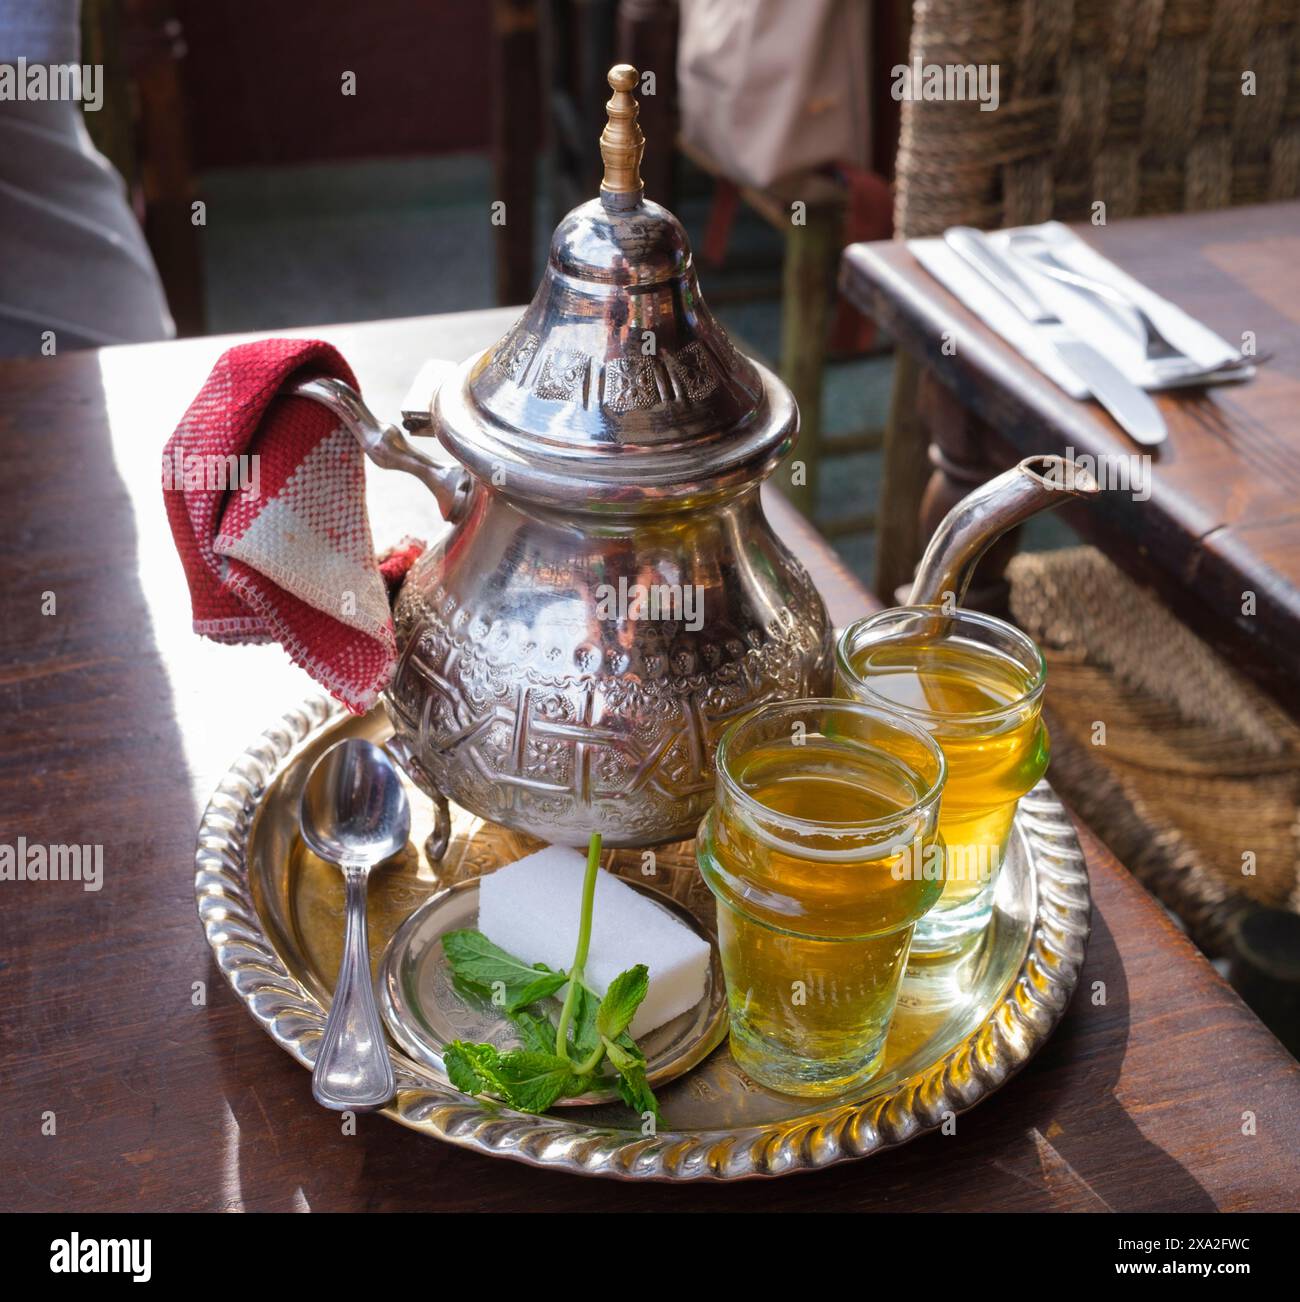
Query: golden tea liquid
x: 974, y: 684
x: 816, y: 852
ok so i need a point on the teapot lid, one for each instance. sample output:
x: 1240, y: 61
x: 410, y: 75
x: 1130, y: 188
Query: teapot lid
x: 617, y: 387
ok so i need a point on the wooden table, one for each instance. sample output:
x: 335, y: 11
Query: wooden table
x: 118, y: 724
x: 1223, y: 518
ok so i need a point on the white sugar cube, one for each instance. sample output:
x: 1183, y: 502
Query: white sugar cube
x: 530, y: 909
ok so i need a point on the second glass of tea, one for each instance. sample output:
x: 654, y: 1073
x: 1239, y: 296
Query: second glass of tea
x: 821, y: 852
x: 975, y: 684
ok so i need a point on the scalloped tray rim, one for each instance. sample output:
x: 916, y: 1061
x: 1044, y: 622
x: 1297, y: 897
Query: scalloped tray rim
x: 982, y: 1062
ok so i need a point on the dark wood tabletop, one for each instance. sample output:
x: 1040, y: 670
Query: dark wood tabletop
x: 1223, y: 518
x: 122, y: 1089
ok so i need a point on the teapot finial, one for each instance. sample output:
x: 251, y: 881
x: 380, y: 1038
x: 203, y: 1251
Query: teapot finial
x: 621, y: 142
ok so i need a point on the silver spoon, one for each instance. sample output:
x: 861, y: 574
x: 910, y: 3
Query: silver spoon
x: 354, y: 813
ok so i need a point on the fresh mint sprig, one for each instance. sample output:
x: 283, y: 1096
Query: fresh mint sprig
x: 560, y: 1060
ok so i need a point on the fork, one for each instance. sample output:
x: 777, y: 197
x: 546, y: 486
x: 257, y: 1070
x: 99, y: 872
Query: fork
x: 1166, y: 361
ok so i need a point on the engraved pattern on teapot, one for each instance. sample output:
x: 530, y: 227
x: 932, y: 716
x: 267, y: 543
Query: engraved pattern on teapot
x: 616, y: 737
x: 622, y: 383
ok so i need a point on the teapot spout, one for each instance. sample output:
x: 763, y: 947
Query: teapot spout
x: 971, y: 527
x: 387, y: 446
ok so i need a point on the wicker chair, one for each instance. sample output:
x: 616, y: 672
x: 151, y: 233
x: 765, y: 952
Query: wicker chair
x: 1138, y: 104
x: 1135, y: 102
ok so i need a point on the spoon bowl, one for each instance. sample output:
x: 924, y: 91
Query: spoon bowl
x: 354, y: 807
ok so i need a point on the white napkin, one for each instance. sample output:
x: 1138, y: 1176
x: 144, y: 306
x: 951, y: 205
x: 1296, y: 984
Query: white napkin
x: 1087, y: 316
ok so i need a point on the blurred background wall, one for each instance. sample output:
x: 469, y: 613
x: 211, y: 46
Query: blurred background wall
x: 263, y: 80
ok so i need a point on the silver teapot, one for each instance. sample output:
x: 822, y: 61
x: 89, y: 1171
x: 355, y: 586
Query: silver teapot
x: 611, y: 594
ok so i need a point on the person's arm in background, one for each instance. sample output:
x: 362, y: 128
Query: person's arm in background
x: 73, y: 259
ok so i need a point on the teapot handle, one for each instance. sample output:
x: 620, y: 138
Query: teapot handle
x: 450, y: 485
x: 387, y: 446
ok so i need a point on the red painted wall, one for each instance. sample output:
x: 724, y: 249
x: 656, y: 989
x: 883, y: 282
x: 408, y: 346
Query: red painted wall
x: 263, y: 78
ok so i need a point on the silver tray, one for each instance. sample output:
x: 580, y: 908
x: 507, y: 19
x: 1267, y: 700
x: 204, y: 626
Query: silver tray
x: 273, y: 916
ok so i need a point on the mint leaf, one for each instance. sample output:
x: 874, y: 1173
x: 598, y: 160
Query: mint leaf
x: 622, y: 999
x: 480, y: 966
x: 533, y: 1081
x: 625, y: 1041
x: 542, y: 986
x: 471, y: 1068
x: 477, y: 997
x: 535, y: 1033
x: 638, y: 1096
x: 585, y: 1035
x: 632, y: 1085
x: 474, y: 958
x: 623, y: 1058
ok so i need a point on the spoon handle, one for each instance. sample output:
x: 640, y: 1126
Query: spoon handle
x: 353, y: 1071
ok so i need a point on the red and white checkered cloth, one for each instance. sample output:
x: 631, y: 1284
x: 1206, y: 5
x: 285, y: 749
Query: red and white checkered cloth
x: 287, y: 554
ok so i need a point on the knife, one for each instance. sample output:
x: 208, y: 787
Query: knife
x: 1131, y: 407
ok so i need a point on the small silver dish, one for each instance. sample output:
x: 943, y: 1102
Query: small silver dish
x: 424, y: 1010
